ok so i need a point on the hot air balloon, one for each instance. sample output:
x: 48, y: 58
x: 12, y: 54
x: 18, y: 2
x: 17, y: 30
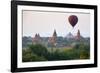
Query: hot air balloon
x: 73, y: 19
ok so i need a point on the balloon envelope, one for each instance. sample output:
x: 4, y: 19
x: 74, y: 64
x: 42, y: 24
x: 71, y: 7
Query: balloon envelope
x: 73, y: 19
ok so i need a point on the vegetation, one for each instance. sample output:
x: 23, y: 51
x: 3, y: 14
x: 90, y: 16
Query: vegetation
x: 38, y: 52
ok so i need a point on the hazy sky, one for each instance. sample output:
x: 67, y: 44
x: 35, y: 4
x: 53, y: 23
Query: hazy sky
x: 44, y: 23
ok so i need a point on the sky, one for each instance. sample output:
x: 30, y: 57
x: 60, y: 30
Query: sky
x: 45, y: 23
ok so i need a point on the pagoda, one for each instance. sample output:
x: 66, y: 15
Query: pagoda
x: 53, y: 40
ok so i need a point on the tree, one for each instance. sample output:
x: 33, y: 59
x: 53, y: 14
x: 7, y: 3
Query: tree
x: 39, y: 49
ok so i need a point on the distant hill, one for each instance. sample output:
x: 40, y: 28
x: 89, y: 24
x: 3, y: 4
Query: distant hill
x: 55, y: 41
x: 61, y: 41
x: 69, y: 36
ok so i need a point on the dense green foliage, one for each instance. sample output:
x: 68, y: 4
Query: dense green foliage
x: 38, y: 52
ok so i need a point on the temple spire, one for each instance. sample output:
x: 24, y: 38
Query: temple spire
x: 54, y: 34
x: 78, y: 34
